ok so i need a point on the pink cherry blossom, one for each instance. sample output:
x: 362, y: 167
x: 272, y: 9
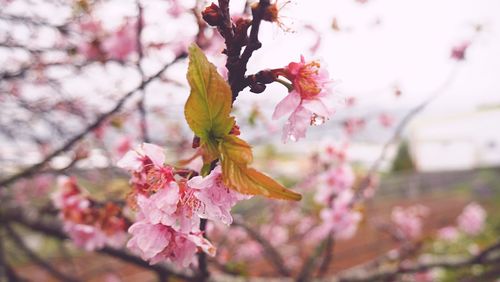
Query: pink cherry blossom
x: 216, y: 200
x: 340, y: 218
x: 448, y: 233
x: 310, y: 100
x: 122, y: 42
x: 409, y: 220
x: 158, y: 242
x: 85, y: 236
x: 146, y: 163
x: 334, y: 181
x: 472, y: 219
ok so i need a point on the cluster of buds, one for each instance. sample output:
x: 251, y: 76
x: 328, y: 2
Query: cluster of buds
x: 91, y: 225
x: 170, y: 206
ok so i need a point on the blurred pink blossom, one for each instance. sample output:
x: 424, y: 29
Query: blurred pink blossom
x: 458, y: 51
x: 122, y: 42
x: 334, y: 181
x: 448, y: 233
x: 472, y: 219
x: 409, y: 220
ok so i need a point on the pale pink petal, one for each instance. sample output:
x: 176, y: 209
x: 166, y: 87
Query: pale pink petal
x: 287, y: 105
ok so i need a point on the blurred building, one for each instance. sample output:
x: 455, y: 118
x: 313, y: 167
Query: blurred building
x: 456, y: 142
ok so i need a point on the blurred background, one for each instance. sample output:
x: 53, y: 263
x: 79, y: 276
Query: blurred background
x: 417, y: 85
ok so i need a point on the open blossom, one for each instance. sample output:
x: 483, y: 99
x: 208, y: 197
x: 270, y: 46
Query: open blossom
x: 472, y: 219
x: 334, y: 181
x: 158, y: 242
x: 409, y: 220
x: 146, y: 163
x: 310, y: 100
x: 216, y: 200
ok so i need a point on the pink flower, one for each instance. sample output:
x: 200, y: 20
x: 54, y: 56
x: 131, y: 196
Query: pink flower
x: 385, y: 120
x: 85, y: 236
x: 448, y: 233
x: 216, y: 200
x: 409, y: 220
x: 334, y: 181
x: 146, y: 163
x: 146, y: 154
x: 123, y: 146
x: 122, y: 42
x: 157, y: 242
x: 161, y: 206
x: 458, y: 51
x: 310, y: 100
x: 340, y: 219
x: 472, y: 219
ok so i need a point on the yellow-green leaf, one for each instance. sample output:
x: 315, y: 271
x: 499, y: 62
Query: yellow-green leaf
x: 235, y: 156
x: 208, y: 107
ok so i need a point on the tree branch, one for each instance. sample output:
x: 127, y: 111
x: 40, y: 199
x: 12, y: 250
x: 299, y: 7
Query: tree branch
x: 75, y: 139
x: 270, y: 252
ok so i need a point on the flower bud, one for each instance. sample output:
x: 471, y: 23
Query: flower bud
x: 212, y: 15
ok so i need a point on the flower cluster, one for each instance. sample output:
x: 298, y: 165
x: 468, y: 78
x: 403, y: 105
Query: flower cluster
x: 309, y: 101
x: 408, y: 220
x: 471, y: 222
x: 99, y: 45
x: 336, y: 194
x: 472, y: 219
x: 170, y: 207
x: 89, y: 224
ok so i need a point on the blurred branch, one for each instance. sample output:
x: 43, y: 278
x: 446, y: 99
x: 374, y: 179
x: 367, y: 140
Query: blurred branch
x: 52, y: 230
x: 142, y: 109
x: 270, y: 252
x: 75, y: 139
x: 484, y: 257
x: 35, y: 258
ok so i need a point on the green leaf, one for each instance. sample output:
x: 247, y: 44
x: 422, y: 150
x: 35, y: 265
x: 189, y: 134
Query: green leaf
x: 208, y: 107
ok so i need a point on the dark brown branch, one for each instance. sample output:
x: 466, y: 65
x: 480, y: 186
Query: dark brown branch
x: 270, y: 252
x: 52, y: 230
x: 203, y: 273
x: 75, y: 139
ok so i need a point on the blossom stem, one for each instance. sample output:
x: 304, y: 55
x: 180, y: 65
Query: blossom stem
x: 287, y: 84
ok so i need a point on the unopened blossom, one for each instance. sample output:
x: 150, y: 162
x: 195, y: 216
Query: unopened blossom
x: 309, y: 101
x: 216, y: 199
x: 334, y: 181
x: 472, y: 219
x: 458, y: 51
x: 409, y: 220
